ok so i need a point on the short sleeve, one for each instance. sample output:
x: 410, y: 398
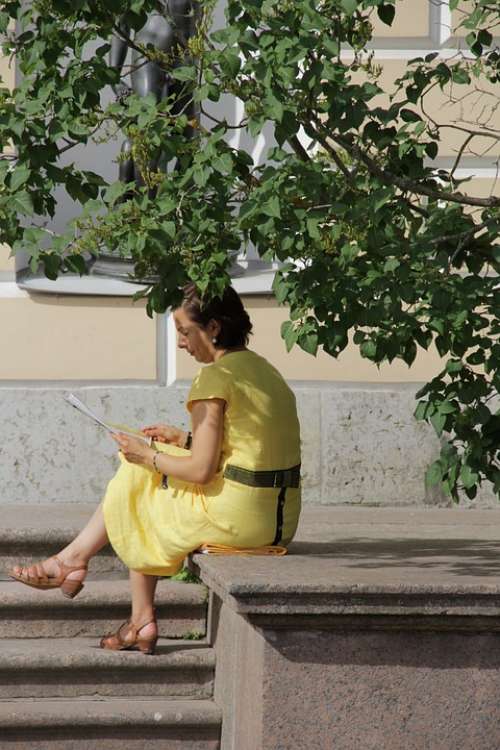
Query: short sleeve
x: 211, y: 382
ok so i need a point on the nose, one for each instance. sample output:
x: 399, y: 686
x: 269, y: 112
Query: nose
x: 181, y: 341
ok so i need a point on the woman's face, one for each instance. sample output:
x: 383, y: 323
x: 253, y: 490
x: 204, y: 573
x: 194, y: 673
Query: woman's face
x: 197, y: 341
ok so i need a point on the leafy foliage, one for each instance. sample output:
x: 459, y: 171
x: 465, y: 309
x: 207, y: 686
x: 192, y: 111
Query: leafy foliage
x: 378, y: 244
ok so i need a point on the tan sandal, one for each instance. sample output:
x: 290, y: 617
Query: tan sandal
x: 69, y: 588
x: 127, y: 638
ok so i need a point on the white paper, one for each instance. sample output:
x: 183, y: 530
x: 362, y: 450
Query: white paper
x: 77, y: 404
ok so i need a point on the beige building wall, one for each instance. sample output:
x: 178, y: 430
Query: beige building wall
x: 45, y: 337
x: 267, y: 318
x: 7, y: 263
x: 412, y: 20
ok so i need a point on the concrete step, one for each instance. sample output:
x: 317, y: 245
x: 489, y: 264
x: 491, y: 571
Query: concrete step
x: 101, y: 607
x: 110, y: 724
x: 77, y: 667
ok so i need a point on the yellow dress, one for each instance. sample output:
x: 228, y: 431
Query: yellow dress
x: 153, y: 529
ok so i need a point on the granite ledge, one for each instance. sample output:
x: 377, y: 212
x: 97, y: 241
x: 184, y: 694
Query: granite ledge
x: 371, y: 569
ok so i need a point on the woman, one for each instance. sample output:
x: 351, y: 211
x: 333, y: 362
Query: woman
x: 232, y: 480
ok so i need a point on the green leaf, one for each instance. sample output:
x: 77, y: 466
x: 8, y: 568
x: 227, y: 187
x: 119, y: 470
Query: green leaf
x: 52, y: 264
x: 19, y: 176
x: 434, y: 474
x: 169, y: 228
x: 185, y: 73
x: 230, y: 62
x: 223, y: 163
x: 349, y: 252
x: 368, y: 349
x: 76, y: 263
x: 446, y: 407
x: 484, y: 37
x: 289, y: 334
x: 332, y: 46
x: 420, y: 411
x: 438, y: 421
x: 460, y: 76
x: 468, y: 477
x: 349, y: 6
x: 115, y: 191
x: 453, y: 366
x: 386, y: 13
x: 391, y: 265
x: 408, y: 115
x: 272, y: 207
x: 309, y: 342
x: 431, y: 149
x: 274, y: 108
x: 22, y: 203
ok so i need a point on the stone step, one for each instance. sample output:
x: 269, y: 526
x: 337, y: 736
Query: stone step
x: 100, y: 608
x: 34, y: 532
x: 110, y: 724
x: 77, y: 667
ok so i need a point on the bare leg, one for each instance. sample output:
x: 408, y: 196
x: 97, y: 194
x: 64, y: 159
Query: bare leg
x: 78, y: 552
x: 143, y: 589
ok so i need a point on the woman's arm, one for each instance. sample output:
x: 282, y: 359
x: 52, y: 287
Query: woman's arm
x: 200, y: 467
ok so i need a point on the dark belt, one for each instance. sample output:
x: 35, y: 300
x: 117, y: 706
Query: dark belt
x: 281, y: 478
x: 277, y: 478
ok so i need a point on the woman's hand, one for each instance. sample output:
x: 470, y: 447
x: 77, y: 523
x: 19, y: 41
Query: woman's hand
x: 164, y: 433
x: 134, y: 450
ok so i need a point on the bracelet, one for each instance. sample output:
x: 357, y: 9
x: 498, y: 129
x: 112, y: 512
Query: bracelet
x: 189, y: 441
x: 164, y: 479
x: 158, y: 453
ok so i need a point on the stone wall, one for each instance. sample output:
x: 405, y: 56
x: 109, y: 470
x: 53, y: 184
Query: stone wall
x: 361, y: 444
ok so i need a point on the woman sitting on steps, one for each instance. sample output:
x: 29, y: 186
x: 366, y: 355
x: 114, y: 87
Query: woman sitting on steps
x: 233, y: 480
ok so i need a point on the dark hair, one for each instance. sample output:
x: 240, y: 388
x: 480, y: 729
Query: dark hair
x: 228, y: 311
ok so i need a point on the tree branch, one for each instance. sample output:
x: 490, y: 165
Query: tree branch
x: 404, y: 183
x: 349, y: 175
x: 299, y: 149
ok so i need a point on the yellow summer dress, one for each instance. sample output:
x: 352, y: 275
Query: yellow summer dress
x: 153, y: 529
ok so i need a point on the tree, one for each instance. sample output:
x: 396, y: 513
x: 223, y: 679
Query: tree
x: 376, y: 242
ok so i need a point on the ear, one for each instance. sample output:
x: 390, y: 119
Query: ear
x: 213, y: 328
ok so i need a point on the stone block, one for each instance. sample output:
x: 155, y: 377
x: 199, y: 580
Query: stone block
x: 56, y: 454
x: 378, y: 690
x: 373, y: 451
x: 309, y: 411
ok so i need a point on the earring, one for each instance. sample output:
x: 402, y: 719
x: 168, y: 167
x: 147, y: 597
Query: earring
x: 214, y: 340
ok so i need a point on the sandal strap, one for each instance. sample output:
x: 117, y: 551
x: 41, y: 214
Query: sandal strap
x: 34, y: 573
x: 141, y: 625
x: 41, y: 574
x: 65, y: 570
x: 122, y: 640
x: 134, y: 629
